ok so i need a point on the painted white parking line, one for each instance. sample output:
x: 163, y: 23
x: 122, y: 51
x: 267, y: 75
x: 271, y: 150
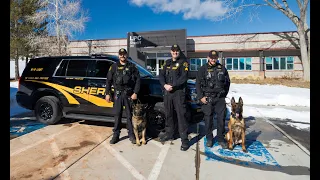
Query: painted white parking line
x: 23, y: 118
x: 158, y: 165
x: 156, y: 143
x: 117, y: 155
x: 43, y: 140
x: 61, y: 166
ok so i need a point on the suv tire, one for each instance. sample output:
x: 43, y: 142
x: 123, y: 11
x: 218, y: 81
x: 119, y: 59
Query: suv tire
x: 47, y: 110
x: 156, y: 120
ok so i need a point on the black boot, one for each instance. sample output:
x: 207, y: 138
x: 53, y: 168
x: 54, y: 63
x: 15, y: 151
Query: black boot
x: 166, y: 137
x: 223, y: 144
x: 115, y: 139
x: 132, y: 139
x: 209, y: 142
x: 184, y: 145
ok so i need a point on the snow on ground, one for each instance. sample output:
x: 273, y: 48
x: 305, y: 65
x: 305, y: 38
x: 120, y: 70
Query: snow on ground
x: 255, y: 94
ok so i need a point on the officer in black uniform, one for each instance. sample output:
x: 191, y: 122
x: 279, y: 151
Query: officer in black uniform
x: 125, y: 78
x: 173, y: 79
x: 212, y: 86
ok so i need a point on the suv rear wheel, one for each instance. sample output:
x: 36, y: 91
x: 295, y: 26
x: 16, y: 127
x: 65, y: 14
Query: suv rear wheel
x: 47, y: 110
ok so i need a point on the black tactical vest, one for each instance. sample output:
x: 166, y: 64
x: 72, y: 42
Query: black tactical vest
x: 214, y: 79
x: 172, y: 72
x: 124, y: 77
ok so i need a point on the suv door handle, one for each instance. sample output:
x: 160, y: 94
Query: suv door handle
x: 93, y: 84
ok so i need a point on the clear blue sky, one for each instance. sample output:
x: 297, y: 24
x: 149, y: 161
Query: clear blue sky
x: 111, y: 19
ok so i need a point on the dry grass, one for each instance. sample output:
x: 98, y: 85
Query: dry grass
x: 275, y: 81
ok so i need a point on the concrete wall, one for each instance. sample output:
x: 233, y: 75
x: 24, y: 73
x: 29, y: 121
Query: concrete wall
x: 111, y: 46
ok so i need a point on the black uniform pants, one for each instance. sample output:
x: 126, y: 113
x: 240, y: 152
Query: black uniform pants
x: 218, y: 106
x: 119, y: 101
x: 176, y: 101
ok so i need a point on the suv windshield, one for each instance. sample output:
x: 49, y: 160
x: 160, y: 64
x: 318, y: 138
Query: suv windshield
x: 143, y: 72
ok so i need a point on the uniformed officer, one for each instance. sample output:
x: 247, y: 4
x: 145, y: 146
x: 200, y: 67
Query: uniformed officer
x: 125, y: 78
x: 212, y: 86
x: 173, y: 79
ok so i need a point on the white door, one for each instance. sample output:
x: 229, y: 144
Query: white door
x: 160, y: 62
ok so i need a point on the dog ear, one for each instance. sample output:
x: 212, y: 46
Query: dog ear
x: 233, y: 101
x: 240, y: 101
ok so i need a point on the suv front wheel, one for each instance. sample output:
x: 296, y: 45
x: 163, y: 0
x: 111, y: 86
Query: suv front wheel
x: 47, y: 110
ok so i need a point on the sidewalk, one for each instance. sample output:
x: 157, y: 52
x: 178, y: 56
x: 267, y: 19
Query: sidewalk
x: 84, y: 152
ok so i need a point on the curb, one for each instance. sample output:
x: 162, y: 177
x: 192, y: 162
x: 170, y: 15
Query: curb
x: 287, y: 135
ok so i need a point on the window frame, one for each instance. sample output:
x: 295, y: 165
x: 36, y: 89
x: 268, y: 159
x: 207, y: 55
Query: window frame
x: 65, y: 74
x: 238, y: 60
x: 196, y: 65
x: 279, y: 57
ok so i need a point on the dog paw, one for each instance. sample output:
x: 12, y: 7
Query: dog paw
x: 244, y: 150
x: 138, y: 143
x: 144, y: 142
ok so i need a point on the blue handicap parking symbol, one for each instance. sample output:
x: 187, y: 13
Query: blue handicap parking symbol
x: 21, y: 127
x: 257, y: 154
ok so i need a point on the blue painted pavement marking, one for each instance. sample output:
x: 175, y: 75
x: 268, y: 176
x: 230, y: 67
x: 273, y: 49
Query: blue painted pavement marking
x: 257, y: 154
x: 21, y: 127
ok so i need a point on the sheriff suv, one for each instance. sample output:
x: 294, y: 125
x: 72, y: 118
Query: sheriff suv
x: 74, y: 87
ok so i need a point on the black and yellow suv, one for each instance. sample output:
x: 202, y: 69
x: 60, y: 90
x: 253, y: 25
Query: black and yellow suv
x: 74, y: 87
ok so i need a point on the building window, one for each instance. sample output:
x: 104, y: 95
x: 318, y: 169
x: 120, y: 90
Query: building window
x: 196, y: 63
x: 279, y: 63
x: 238, y: 63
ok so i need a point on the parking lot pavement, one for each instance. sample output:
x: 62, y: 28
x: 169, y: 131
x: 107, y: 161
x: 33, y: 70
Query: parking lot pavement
x: 82, y: 151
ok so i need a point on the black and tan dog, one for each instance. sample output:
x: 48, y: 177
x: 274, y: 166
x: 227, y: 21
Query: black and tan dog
x: 236, y: 126
x: 139, y: 122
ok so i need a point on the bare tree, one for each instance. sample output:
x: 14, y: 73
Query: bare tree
x: 64, y: 17
x: 234, y: 8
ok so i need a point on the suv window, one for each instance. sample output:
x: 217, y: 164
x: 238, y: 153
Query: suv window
x: 101, y: 68
x: 61, y: 71
x: 78, y: 68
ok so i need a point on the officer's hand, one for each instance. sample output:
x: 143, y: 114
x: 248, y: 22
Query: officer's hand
x: 134, y: 96
x: 204, y: 100
x: 168, y: 87
x: 107, y: 98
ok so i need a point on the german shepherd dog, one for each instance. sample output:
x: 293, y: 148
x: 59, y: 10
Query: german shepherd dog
x: 236, y: 126
x: 139, y: 122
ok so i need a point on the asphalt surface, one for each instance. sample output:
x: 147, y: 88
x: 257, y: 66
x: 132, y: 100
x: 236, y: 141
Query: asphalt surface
x: 302, y: 136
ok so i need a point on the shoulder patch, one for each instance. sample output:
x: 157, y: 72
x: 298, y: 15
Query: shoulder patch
x: 185, y: 64
x: 219, y: 66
